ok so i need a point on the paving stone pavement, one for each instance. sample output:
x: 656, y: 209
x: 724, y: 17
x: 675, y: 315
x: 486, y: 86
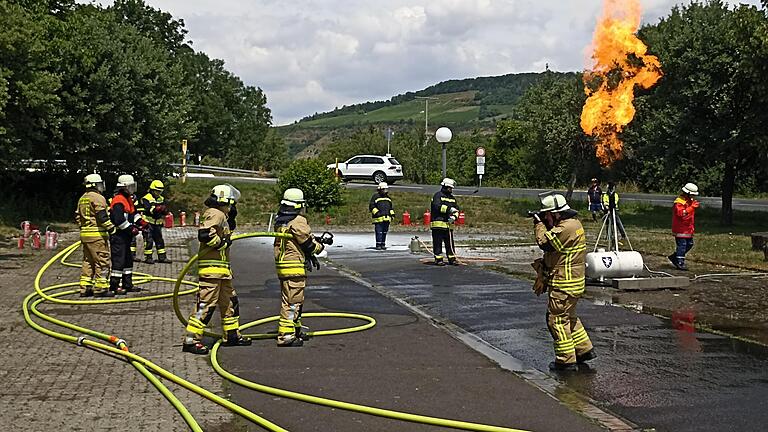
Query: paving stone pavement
x: 50, y: 385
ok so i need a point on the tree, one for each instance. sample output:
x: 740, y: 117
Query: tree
x: 709, y: 108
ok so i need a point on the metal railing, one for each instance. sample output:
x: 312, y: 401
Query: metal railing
x: 224, y: 170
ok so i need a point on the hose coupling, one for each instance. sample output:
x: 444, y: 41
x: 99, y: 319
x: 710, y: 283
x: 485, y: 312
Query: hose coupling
x: 80, y: 340
x: 122, y: 344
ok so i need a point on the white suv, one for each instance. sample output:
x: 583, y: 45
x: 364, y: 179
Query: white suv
x: 370, y: 167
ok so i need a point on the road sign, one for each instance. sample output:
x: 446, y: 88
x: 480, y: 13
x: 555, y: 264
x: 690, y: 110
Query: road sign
x: 481, y: 160
x: 480, y: 170
x: 480, y: 152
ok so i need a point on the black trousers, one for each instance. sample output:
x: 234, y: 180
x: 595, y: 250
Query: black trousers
x: 122, y: 260
x: 442, y: 237
x: 153, y: 237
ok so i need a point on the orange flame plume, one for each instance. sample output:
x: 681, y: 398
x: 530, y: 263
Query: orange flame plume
x: 620, y: 62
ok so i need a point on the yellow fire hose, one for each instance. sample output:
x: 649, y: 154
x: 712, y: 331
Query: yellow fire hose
x: 113, y: 345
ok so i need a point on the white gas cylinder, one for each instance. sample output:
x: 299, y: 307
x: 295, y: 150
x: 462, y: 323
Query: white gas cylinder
x: 611, y: 264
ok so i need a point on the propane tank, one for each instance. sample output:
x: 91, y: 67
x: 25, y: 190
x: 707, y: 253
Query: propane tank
x: 169, y: 220
x: 197, y: 218
x: 461, y: 219
x: 35, y: 239
x: 427, y: 217
x: 327, y: 220
x: 183, y: 219
x: 21, y: 242
x: 406, y: 218
x: 414, y: 245
x: 26, y: 227
x: 611, y: 264
x: 51, y: 239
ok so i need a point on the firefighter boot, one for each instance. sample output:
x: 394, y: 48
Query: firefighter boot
x: 234, y: 339
x: 148, y: 259
x: 128, y: 284
x: 681, y: 265
x: 563, y: 367
x: 86, y: 293
x: 105, y: 293
x: 289, y: 340
x: 587, y: 356
x: 194, y: 348
x: 114, y: 285
x: 163, y: 259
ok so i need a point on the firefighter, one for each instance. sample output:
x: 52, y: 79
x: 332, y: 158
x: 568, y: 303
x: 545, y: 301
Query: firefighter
x: 293, y: 257
x: 610, y: 201
x: 382, y: 213
x: 128, y: 223
x: 95, y: 227
x: 445, y: 210
x: 155, y: 210
x: 215, y: 273
x: 683, y: 213
x: 560, y: 235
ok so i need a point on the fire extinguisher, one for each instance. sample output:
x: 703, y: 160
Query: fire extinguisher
x: 406, y: 218
x: 197, y: 218
x: 169, y: 220
x: 26, y: 227
x: 427, y: 217
x: 21, y: 242
x: 183, y: 219
x: 35, y: 239
x: 51, y: 239
x: 462, y: 218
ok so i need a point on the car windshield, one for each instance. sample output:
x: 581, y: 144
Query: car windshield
x: 394, y: 161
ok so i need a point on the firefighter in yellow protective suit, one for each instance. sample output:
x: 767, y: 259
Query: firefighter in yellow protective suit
x: 562, y: 273
x: 215, y: 273
x: 293, y: 257
x: 95, y: 228
x: 154, y: 209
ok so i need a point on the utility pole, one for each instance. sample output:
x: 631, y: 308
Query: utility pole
x: 427, y: 135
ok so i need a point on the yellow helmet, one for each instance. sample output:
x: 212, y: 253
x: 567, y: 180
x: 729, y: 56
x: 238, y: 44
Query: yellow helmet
x: 156, y: 185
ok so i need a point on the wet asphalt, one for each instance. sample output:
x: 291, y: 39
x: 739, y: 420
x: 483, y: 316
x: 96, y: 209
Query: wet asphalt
x: 649, y: 373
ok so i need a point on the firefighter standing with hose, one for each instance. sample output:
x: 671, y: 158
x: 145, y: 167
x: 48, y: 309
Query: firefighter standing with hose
x: 128, y: 223
x: 382, y: 213
x: 445, y: 211
x: 293, y: 257
x: 95, y: 228
x: 154, y: 209
x: 561, y: 272
x: 215, y: 273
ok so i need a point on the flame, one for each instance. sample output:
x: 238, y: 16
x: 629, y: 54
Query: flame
x: 620, y: 62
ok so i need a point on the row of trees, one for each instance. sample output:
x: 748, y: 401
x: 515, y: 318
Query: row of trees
x: 116, y: 89
x: 705, y: 121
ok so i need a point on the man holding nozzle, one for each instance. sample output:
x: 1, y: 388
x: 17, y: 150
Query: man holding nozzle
x: 561, y: 272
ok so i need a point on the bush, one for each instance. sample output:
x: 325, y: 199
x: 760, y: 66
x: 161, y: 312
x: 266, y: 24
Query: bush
x: 321, y: 189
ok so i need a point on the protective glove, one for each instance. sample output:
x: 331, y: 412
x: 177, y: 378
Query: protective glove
x: 312, y: 262
x: 225, y: 243
x: 135, y: 230
x: 695, y: 204
x: 112, y: 231
x: 451, y: 219
x: 161, y: 209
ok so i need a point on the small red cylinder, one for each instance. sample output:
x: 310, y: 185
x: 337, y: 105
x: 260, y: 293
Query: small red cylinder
x: 427, y: 217
x: 462, y: 218
x: 35, y: 239
x: 21, y: 242
x: 327, y: 220
x: 51, y: 239
x: 197, y: 218
x: 26, y: 227
x: 406, y: 218
x: 183, y: 219
x: 169, y: 220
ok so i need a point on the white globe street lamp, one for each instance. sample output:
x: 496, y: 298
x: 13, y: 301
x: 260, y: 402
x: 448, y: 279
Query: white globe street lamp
x: 443, y: 135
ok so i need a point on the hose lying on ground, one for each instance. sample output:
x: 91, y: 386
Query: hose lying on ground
x: 113, y: 345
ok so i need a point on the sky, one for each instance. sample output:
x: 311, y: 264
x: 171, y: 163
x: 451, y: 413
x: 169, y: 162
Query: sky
x: 314, y: 55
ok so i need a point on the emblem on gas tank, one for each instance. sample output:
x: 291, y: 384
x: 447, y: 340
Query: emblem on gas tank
x: 607, y: 262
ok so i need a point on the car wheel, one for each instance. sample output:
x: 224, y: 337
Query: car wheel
x: 379, y: 177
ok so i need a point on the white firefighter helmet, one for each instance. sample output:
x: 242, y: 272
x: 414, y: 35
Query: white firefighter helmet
x: 383, y: 185
x: 554, y: 203
x: 127, y: 182
x: 691, y: 189
x: 94, y: 181
x: 448, y: 182
x: 225, y: 194
x: 293, y: 197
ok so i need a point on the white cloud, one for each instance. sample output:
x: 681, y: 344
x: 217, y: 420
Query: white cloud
x: 313, y: 55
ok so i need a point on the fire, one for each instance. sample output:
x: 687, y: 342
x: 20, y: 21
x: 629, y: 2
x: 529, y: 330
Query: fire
x: 620, y: 62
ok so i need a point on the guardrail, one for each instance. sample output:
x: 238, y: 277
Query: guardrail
x: 215, y: 169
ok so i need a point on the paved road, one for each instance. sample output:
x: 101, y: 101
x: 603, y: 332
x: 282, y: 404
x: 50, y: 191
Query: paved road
x: 403, y: 363
x: 653, y: 199
x: 647, y: 372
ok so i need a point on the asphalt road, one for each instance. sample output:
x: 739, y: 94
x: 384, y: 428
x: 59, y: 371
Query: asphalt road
x: 653, y: 199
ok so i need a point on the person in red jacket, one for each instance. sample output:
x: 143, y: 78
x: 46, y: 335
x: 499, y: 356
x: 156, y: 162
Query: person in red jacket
x: 683, y: 213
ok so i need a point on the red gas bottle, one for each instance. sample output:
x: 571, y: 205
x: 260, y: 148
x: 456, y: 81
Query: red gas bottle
x: 169, y: 220
x: 183, y: 219
x: 197, y: 218
x: 51, y: 239
x: 427, y: 217
x: 461, y: 219
x: 26, y: 227
x: 35, y: 239
x: 406, y: 218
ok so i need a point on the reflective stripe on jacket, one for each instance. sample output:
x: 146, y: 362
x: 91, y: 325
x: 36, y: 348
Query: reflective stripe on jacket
x: 289, y: 255
x: 565, y: 251
x: 443, y: 206
x: 214, y: 263
x: 683, y: 215
x: 381, y: 208
x: 148, y: 203
x: 88, y: 206
x: 606, y: 200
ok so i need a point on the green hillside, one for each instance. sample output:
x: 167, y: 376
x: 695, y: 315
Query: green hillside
x: 466, y: 104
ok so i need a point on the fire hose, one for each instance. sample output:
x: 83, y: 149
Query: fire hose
x: 113, y: 345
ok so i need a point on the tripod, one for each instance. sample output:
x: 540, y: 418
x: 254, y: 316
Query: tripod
x: 611, y: 228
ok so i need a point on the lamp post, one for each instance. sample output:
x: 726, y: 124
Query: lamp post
x: 443, y: 135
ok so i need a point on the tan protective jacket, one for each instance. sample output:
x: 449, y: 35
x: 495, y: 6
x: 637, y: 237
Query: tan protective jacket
x: 214, y: 263
x: 91, y: 228
x: 289, y: 253
x: 565, y: 251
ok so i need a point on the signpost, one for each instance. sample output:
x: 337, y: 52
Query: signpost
x: 480, y: 159
x: 183, y: 161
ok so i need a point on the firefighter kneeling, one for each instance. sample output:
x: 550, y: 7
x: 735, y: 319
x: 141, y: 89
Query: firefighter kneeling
x: 293, y: 257
x: 561, y: 272
x: 215, y: 273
